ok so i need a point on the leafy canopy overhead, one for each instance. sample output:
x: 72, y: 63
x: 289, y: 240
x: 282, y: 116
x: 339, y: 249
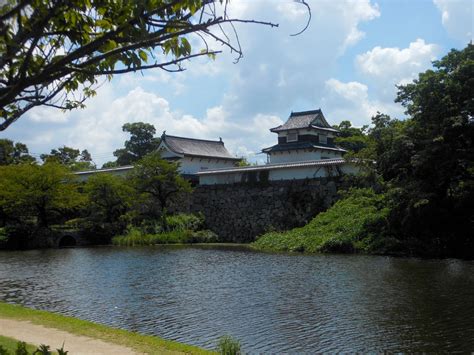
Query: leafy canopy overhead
x: 53, y: 52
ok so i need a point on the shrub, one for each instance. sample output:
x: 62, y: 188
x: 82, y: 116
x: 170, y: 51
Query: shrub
x: 228, y: 346
x: 357, y: 222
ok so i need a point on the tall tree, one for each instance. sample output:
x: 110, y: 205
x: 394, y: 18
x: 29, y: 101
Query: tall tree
x: 14, y: 153
x: 141, y: 142
x: 159, y: 180
x: 52, y: 52
x: 109, y: 198
x: 70, y: 157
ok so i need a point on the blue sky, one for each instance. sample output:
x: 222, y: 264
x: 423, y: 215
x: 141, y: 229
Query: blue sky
x: 347, y: 63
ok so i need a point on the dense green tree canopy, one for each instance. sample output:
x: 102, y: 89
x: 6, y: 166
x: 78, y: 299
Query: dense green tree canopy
x: 38, y: 193
x: 141, y: 142
x: 14, y: 153
x: 52, y: 52
x: 109, y: 198
x: 158, y: 179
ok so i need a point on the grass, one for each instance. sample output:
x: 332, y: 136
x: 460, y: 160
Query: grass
x: 355, y: 223
x: 135, y: 237
x: 10, y: 345
x: 141, y: 343
x: 228, y: 345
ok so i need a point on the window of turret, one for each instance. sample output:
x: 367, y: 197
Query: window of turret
x: 292, y: 137
x: 323, y: 139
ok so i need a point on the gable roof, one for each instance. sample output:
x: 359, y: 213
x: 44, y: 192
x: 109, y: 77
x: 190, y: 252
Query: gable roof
x: 196, y: 147
x: 305, y: 119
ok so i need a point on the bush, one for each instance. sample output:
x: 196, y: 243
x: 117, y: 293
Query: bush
x: 357, y: 222
x: 228, y: 346
x: 184, y: 221
x: 181, y: 229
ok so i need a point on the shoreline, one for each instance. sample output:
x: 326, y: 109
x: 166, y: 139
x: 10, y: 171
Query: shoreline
x: 59, y: 325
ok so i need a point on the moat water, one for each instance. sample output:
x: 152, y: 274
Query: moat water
x: 272, y: 303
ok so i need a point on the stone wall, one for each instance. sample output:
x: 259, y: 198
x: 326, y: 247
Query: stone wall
x: 241, y: 212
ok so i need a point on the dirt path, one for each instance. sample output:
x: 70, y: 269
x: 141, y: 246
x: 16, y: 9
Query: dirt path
x: 75, y: 344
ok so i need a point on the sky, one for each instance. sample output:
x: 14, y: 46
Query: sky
x: 348, y: 63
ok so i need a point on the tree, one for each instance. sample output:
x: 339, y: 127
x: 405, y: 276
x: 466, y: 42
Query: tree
x: 159, y: 180
x: 109, y: 199
x: 38, y: 193
x: 52, y: 52
x: 14, y: 153
x: 70, y: 157
x: 352, y: 138
x: 438, y: 185
x: 141, y: 143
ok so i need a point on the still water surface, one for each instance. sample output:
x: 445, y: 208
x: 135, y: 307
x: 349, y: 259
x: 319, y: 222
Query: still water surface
x: 271, y: 303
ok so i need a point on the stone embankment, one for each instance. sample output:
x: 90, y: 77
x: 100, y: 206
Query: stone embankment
x: 241, y: 212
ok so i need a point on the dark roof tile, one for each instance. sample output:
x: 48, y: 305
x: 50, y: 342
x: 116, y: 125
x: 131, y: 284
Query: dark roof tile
x: 197, y: 147
x: 305, y: 119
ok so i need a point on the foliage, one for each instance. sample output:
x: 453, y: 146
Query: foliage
x: 14, y: 153
x: 351, y: 138
x: 40, y: 193
x: 143, y: 344
x: 135, y: 237
x: 180, y: 229
x: 357, y: 222
x: 159, y: 181
x: 184, y: 221
x: 52, y: 52
x: 109, y: 199
x: 70, y: 157
x: 141, y: 143
x: 228, y: 346
x: 14, y: 347
x: 428, y: 159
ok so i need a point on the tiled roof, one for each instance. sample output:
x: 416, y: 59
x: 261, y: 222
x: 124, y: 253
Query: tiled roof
x: 197, y: 147
x: 309, y: 163
x: 300, y: 145
x: 305, y: 119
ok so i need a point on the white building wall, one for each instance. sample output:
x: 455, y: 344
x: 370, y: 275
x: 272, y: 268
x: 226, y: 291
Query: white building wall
x: 191, y: 165
x: 282, y: 174
x: 301, y: 155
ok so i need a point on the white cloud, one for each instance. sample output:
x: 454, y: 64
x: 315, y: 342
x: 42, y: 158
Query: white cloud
x: 351, y: 101
x: 98, y: 128
x: 398, y: 64
x: 457, y: 18
x: 384, y: 68
x: 279, y: 72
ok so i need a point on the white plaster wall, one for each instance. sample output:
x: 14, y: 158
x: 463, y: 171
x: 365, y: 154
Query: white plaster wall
x: 282, y: 174
x: 292, y: 156
x: 301, y: 155
x: 193, y: 165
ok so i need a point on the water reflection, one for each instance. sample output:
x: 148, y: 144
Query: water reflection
x: 271, y: 303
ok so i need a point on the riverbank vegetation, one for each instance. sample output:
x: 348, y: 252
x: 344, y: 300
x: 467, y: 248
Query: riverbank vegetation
x: 417, y: 195
x: 178, y: 229
x: 39, y: 202
x: 144, y: 344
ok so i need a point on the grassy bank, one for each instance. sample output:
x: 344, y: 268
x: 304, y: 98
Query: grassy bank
x: 141, y: 343
x: 353, y: 224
